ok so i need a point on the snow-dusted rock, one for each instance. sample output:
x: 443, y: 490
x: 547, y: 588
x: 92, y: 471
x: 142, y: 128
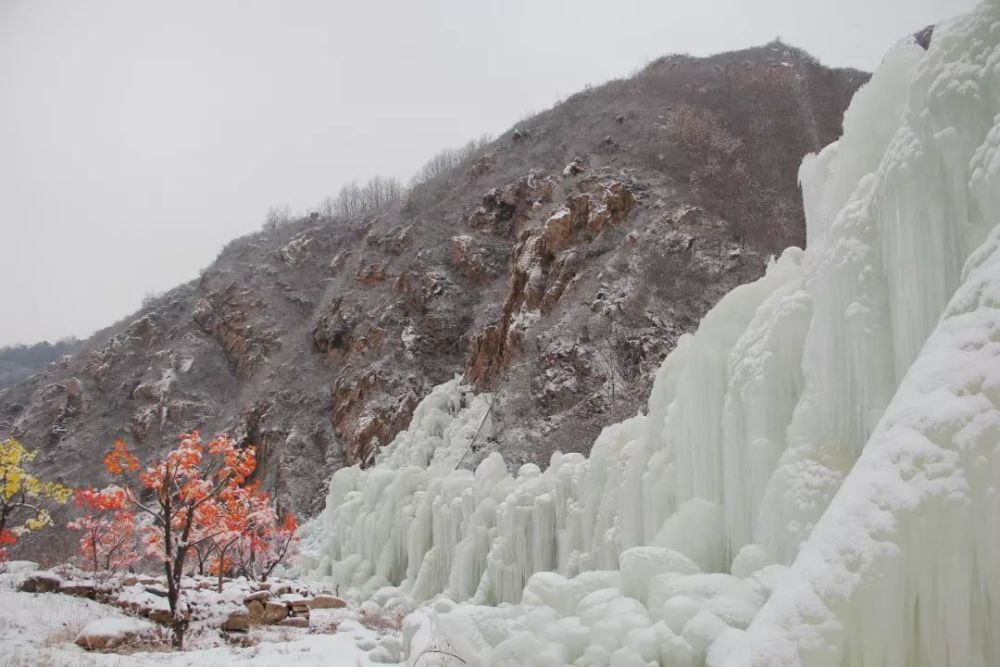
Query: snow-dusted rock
x: 260, y: 596
x: 41, y: 582
x: 237, y: 621
x: 108, y: 633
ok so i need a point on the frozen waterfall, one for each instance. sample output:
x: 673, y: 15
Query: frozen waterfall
x: 815, y: 479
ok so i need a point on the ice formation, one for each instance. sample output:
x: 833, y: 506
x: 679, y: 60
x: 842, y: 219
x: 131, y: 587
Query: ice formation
x: 814, y: 481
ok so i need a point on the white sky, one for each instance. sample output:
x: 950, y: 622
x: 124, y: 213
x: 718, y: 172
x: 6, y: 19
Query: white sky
x: 137, y: 137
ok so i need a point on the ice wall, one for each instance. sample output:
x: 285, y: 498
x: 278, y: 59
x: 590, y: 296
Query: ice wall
x: 662, y: 545
x: 902, y: 568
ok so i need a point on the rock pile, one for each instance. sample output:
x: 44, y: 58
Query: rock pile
x: 264, y: 603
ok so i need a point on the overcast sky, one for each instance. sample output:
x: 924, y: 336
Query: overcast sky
x: 137, y: 137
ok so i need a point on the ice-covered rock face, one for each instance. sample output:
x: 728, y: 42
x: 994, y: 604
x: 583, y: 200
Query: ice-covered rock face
x: 743, y: 519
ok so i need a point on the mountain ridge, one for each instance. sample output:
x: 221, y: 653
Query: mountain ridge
x: 554, y: 269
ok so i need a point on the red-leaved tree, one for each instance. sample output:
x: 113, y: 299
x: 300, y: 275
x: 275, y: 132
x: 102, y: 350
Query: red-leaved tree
x: 243, y: 511
x: 180, y: 499
x: 267, y: 546
x: 108, y: 541
x: 7, y: 539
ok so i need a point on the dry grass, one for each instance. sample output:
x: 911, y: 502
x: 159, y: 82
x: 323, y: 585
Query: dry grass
x: 382, y: 622
x: 156, y: 641
x: 329, y: 628
x: 66, y: 634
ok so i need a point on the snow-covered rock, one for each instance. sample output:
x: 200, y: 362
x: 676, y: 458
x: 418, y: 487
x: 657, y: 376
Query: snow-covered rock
x: 108, y: 633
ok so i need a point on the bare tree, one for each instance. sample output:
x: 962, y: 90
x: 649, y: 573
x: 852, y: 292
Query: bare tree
x: 276, y: 216
x: 450, y: 158
x: 328, y: 208
x: 349, y: 200
x: 353, y: 201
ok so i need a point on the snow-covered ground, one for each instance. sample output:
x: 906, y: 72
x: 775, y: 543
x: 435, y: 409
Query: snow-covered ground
x: 39, y: 629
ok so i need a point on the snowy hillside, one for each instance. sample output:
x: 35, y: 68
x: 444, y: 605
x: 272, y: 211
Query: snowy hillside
x: 814, y: 479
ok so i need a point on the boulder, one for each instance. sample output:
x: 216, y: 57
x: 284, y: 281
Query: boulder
x: 73, y: 387
x: 108, y: 633
x: 573, y: 168
x: 296, y: 622
x: 41, y: 582
x: 469, y: 258
x: 78, y: 589
x: 371, y: 274
x: 157, y: 615
x: 255, y: 608
x: 260, y: 596
x: 298, y: 607
x: 326, y: 602
x: 482, y: 166
x: 274, y: 612
x: 157, y: 590
x: 238, y: 621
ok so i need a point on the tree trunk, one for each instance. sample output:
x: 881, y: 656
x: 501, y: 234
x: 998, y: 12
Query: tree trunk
x: 173, y: 594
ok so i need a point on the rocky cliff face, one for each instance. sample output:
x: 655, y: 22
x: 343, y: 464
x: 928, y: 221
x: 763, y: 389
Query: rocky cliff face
x: 555, y: 269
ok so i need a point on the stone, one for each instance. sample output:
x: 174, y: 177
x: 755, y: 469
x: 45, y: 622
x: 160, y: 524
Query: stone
x: 470, y: 259
x: 371, y: 274
x: 301, y: 609
x: 301, y: 600
x: 108, y: 633
x: 78, y: 589
x: 73, y: 386
x: 296, y: 622
x: 157, y: 615
x: 41, y: 582
x: 238, y: 621
x: 158, y: 591
x: 261, y: 596
x: 484, y: 165
x: 255, y: 608
x: 326, y: 602
x: 573, y: 168
x: 274, y: 612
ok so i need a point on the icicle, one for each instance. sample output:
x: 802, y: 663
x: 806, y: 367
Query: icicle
x: 741, y: 488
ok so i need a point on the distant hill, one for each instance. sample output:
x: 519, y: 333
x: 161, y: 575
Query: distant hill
x: 19, y: 362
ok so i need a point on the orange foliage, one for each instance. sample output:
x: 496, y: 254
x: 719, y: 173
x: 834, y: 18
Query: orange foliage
x: 120, y: 460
